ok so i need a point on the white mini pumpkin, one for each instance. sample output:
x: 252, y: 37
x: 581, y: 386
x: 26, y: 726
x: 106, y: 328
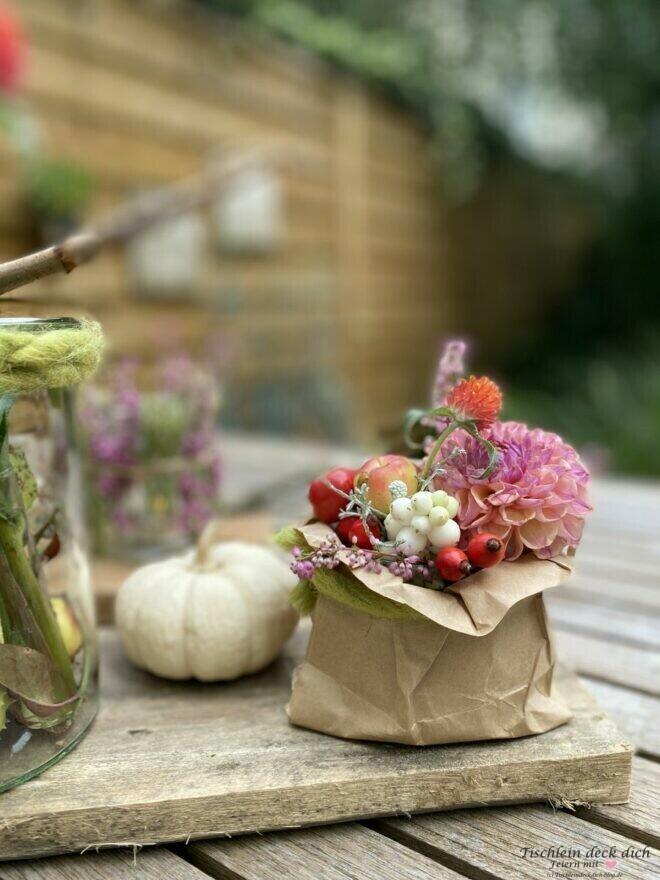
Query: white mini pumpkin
x: 213, y: 614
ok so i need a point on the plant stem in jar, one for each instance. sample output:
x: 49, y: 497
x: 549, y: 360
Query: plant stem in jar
x: 11, y: 544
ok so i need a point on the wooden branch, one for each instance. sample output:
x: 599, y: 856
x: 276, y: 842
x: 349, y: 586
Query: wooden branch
x: 128, y: 220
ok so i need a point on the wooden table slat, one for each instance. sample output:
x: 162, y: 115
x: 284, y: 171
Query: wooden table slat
x: 626, y: 627
x: 608, y: 544
x: 145, y: 864
x: 623, y: 596
x: 611, y: 661
x: 622, y: 570
x: 492, y: 841
x: 340, y: 852
x: 637, y: 715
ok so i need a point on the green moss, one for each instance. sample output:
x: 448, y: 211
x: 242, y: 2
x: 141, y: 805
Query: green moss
x: 347, y: 590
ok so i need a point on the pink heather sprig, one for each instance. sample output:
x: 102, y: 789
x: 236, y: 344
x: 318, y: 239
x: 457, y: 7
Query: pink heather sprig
x: 451, y: 368
x: 302, y: 568
x: 410, y: 567
x: 325, y: 556
x: 359, y: 558
x: 403, y: 569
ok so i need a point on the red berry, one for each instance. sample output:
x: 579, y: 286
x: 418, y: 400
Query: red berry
x: 344, y: 526
x: 53, y: 547
x: 485, y: 550
x: 452, y: 564
x: 325, y: 502
x: 352, y: 527
x: 361, y: 536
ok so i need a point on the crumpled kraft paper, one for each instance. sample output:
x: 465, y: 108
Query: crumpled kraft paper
x: 479, y: 667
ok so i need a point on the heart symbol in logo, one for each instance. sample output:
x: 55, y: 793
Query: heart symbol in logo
x: 611, y: 864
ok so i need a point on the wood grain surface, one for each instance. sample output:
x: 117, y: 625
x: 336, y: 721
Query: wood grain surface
x: 638, y: 819
x: 151, y: 864
x: 496, y: 840
x: 171, y: 761
x: 319, y: 853
x: 481, y: 844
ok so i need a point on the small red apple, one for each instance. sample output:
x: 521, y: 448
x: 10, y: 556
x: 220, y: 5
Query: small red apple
x: 485, y: 550
x: 382, y: 470
x: 326, y: 503
x: 452, y: 564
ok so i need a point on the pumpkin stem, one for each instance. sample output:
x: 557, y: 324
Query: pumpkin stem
x: 211, y: 535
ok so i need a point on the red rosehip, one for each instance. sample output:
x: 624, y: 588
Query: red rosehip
x: 352, y: 527
x: 325, y: 502
x: 485, y: 550
x: 452, y: 564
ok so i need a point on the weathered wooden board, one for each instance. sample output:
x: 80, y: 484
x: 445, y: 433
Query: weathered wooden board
x: 637, y: 819
x: 171, y: 761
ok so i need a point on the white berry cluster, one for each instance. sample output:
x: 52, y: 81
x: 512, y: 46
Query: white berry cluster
x: 425, y: 519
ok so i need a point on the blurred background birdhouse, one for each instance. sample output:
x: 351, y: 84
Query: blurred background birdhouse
x: 249, y: 214
x: 166, y: 260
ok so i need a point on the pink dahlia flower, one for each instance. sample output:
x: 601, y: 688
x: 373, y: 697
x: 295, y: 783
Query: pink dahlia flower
x: 535, y: 499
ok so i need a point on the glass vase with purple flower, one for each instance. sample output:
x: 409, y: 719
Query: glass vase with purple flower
x: 48, y: 651
x: 153, y: 456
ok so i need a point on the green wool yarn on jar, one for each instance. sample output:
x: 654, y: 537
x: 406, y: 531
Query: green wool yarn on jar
x: 53, y: 357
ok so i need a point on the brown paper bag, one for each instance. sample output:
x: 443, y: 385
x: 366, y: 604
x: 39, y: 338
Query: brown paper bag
x: 480, y: 666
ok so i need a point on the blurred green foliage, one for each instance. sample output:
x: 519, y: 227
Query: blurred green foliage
x: 57, y: 188
x: 571, y: 85
x: 471, y: 67
x: 609, y: 408
x: 164, y: 420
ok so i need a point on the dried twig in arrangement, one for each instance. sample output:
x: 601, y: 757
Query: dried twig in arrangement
x: 128, y: 220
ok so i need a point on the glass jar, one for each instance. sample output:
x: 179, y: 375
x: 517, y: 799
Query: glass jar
x: 48, y: 648
x: 153, y: 456
x: 152, y: 509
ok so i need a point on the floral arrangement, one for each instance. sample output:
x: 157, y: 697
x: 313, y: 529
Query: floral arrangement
x: 154, y: 461
x: 483, y: 491
x: 427, y: 575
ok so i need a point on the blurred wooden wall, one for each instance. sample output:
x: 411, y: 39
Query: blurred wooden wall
x: 359, y: 288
